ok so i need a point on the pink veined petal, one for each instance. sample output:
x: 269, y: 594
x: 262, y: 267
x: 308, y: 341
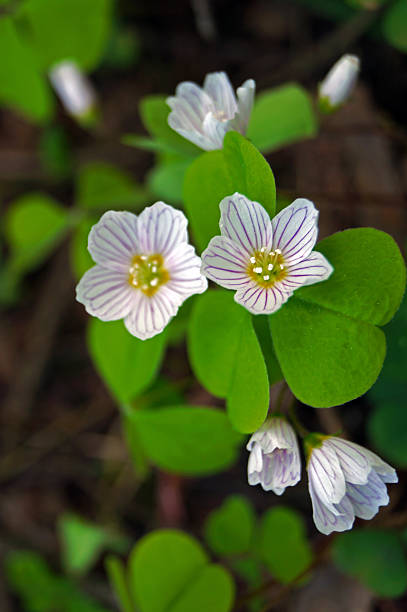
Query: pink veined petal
x: 327, y: 521
x: 261, y: 301
x: 184, y: 267
x: 245, y: 95
x: 113, y: 241
x: 313, y: 269
x: 214, y: 131
x: 367, y: 498
x: 281, y: 470
x: 224, y: 263
x: 220, y: 90
x: 246, y: 223
x: 149, y: 315
x: 161, y: 229
x: 105, y: 293
x: 354, y: 463
x: 255, y: 465
x: 295, y: 230
x: 325, y: 473
x: 189, y: 107
x: 383, y: 469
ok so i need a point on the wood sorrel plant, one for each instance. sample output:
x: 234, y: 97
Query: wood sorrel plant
x: 290, y: 309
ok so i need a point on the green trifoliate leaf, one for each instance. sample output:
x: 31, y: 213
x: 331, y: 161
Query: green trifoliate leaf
x: 126, y: 364
x: 34, y: 225
x: 282, y: 544
x: 67, y: 29
x: 170, y: 572
x: 186, y: 439
x: 217, y: 174
x: 281, y: 116
x: 325, y: 337
x: 376, y: 557
x: 229, y: 529
x: 227, y: 359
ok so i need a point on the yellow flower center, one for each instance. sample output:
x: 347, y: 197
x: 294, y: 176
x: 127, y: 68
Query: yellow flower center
x: 267, y: 267
x: 147, y: 273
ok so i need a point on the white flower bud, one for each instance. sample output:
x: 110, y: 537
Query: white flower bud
x: 73, y: 88
x: 338, y: 84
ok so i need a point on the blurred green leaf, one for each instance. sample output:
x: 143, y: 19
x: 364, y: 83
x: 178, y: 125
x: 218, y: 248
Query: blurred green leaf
x: 325, y: 337
x: 282, y: 544
x: 123, y: 49
x: 43, y: 591
x: 281, y: 116
x: 126, y: 364
x: 166, y: 180
x: 229, y: 529
x: 67, y: 30
x: 375, y: 557
x: 227, y: 360
x: 102, y: 186
x: 34, y: 225
x: 56, y: 152
x: 118, y: 580
x: 82, y: 542
x: 394, y: 25
x: 21, y: 85
x: 170, y: 572
x: 187, y: 439
x: 217, y: 174
x: 154, y: 114
x: 80, y: 257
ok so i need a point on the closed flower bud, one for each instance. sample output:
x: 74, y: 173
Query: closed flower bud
x: 74, y: 89
x: 338, y: 84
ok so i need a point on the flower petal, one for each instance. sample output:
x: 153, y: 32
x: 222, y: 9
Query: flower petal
x: 245, y: 95
x: 327, y: 521
x: 255, y: 465
x: 113, y: 241
x: 295, y: 230
x: 246, y: 223
x: 313, y: 269
x: 224, y: 263
x: 383, y: 469
x: 214, y: 131
x: 184, y: 267
x: 259, y: 300
x: 190, y: 106
x: 105, y: 293
x: 367, y: 498
x: 354, y: 463
x: 161, y: 229
x: 325, y: 473
x: 219, y: 89
x: 150, y: 315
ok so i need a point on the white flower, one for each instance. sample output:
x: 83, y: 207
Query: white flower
x: 265, y: 260
x: 274, y: 460
x: 345, y: 480
x: 73, y: 88
x: 204, y: 115
x: 338, y: 84
x: 145, y: 269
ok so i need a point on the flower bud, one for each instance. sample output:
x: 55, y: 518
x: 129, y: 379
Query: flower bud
x: 338, y: 84
x: 74, y: 89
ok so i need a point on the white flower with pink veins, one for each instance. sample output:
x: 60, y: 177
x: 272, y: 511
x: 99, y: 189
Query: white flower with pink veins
x: 204, y: 115
x: 265, y: 260
x: 145, y: 269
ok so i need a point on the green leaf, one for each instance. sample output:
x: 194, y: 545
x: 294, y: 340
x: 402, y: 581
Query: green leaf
x: 170, y: 572
x: 281, y: 116
x: 80, y: 257
x: 394, y: 25
x: 282, y: 544
x: 118, y: 581
x: 217, y: 174
x: 226, y: 358
x: 103, y: 186
x: 82, y: 542
x: 262, y: 329
x: 375, y: 557
x: 34, y: 225
x: 369, y: 276
x: 21, y: 85
x: 166, y: 180
x: 154, y: 114
x: 388, y: 430
x: 126, y: 364
x: 229, y: 529
x: 327, y: 358
x: 325, y: 337
x: 187, y: 439
x: 68, y: 30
